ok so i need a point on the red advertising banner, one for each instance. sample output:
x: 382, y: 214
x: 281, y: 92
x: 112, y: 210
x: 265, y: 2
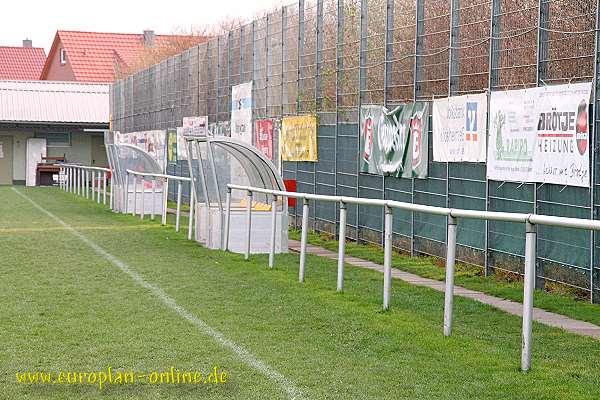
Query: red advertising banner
x: 264, y: 137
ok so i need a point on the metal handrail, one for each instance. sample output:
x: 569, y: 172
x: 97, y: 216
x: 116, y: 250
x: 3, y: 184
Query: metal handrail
x: 76, y: 179
x: 154, y: 176
x: 452, y: 214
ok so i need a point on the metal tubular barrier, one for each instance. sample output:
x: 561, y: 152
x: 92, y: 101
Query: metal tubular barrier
x: 143, y: 193
x: 227, y: 219
x: 450, y: 261
x: 387, y: 258
x: 178, y: 206
x: 273, y: 231
x: 303, y: 239
x: 341, y: 247
x: 191, y: 214
x: 75, y: 179
x: 154, y: 178
x: 530, y: 220
x: 248, y: 224
x: 153, y: 202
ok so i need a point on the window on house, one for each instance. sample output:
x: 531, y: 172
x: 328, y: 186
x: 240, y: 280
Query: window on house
x: 63, y: 56
x: 55, y: 139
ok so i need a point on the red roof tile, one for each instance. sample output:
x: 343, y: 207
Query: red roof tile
x: 94, y: 56
x: 21, y: 63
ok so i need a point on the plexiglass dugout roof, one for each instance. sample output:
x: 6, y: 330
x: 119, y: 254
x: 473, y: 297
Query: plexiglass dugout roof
x: 223, y: 161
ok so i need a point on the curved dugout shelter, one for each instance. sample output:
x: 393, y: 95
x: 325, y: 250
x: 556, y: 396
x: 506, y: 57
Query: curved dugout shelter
x: 218, y: 161
x: 123, y: 157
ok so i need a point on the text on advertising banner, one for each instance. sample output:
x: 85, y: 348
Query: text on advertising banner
x: 459, y: 128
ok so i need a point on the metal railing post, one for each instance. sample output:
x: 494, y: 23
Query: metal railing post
x: 450, y: 261
x: 93, y: 184
x: 191, y: 213
x: 134, y: 208
x: 303, y: 239
x: 165, y: 201
x: 227, y: 218
x: 79, y: 181
x: 153, y: 201
x: 341, y: 247
x: 178, y: 206
x: 387, y: 258
x: 104, y: 188
x: 530, y: 240
x: 126, y: 205
x: 273, y: 231
x: 143, y: 193
x: 87, y: 183
x: 248, y: 224
x: 112, y: 189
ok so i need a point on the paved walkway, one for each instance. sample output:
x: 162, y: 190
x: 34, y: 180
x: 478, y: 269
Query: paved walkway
x: 544, y: 317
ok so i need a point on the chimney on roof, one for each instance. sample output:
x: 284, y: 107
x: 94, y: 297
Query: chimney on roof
x: 148, y: 38
x: 27, y: 43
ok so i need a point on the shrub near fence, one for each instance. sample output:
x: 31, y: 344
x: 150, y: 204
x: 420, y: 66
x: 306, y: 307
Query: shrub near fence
x: 329, y: 57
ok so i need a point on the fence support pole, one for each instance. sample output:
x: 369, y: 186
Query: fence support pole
x: 165, y: 201
x: 98, y: 189
x: 104, y: 190
x: 530, y: 240
x: 191, y: 213
x: 87, y: 184
x: 273, y: 231
x: 303, y: 239
x: 387, y: 258
x: 153, y: 201
x: 178, y: 206
x: 93, y: 184
x: 450, y: 261
x: 227, y: 218
x: 143, y: 193
x: 78, y: 182
x: 112, y: 189
x: 126, y: 205
x: 341, y: 247
x: 248, y: 224
x: 135, y: 187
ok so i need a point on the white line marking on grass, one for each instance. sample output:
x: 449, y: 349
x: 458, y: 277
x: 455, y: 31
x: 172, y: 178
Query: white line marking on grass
x: 247, y: 357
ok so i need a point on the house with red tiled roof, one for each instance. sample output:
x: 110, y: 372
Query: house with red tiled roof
x: 21, y: 63
x: 100, y: 57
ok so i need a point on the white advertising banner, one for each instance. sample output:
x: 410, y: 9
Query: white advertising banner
x: 196, y: 126
x: 241, y: 112
x: 459, y: 128
x: 540, y: 135
x: 152, y: 142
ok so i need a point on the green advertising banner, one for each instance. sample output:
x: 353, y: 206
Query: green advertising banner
x: 171, y: 146
x: 394, y: 142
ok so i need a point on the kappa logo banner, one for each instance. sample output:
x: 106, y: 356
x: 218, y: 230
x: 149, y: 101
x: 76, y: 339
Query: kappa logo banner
x: 394, y: 142
x: 459, y: 128
x: 241, y: 112
x: 298, y: 141
x: 540, y: 135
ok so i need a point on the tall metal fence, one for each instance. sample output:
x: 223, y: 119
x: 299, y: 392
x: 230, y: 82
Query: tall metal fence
x: 330, y: 56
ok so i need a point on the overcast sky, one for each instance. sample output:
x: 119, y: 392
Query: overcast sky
x: 39, y: 20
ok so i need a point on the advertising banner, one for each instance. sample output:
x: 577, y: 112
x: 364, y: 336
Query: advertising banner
x: 394, y: 142
x: 459, y: 128
x: 264, y: 137
x: 172, y: 146
x: 298, y: 141
x: 152, y: 142
x: 195, y: 126
x: 540, y: 135
x: 241, y: 112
